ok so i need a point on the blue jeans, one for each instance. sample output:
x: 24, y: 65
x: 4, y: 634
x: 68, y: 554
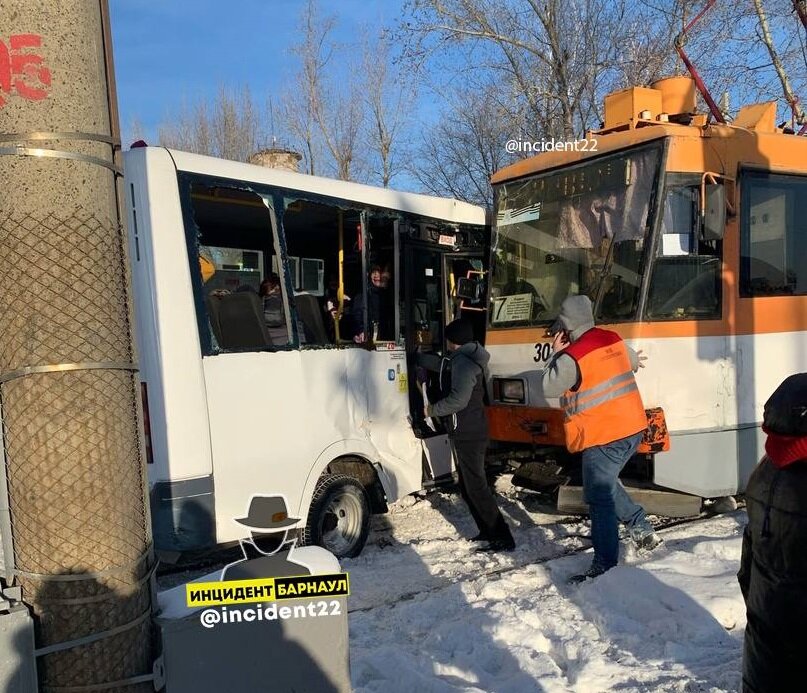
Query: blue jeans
x: 608, y: 501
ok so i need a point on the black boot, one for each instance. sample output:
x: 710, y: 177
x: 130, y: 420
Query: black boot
x: 495, y: 545
x: 591, y: 573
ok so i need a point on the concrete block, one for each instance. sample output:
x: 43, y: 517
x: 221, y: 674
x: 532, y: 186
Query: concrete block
x: 17, y: 662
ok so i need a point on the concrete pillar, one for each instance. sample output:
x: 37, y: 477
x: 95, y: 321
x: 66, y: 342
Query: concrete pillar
x: 69, y: 393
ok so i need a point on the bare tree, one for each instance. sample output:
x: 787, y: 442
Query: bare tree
x: 550, y: 51
x: 230, y: 126
x: 302, y: 99
x: 767, y: 40
x: 729, y: 46
x: 188, y: 129
x: 235, y: 124
x: 340, y: 118
x: 461, y: 152
x: 135, y: 131
x: 323, y: 109
x: 547, y: 64
x: 388, y: 94
x: 298, y: 117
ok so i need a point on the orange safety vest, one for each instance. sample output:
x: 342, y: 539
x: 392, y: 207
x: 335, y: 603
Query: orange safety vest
x: 606, y: 404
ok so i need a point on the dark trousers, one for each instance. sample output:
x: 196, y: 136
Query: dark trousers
x: 475, y: 491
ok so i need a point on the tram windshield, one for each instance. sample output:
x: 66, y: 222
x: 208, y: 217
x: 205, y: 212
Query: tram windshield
x: 579, y: 230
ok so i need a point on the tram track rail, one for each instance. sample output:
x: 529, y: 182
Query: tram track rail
x: 661, y: 525
x: 216, y: 559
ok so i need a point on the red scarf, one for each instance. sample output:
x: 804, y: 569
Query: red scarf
x: 784, y: 450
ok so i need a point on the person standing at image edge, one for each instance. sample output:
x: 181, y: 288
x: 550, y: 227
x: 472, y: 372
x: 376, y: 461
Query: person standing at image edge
x: 468, y: 430
x: 604, y: 419
x: 773, y: 567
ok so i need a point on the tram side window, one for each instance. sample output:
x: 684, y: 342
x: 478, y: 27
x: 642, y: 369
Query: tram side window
x: 774, y: 235
x: 242, y: 306
x: 312, y: 231
x: 685, y: 279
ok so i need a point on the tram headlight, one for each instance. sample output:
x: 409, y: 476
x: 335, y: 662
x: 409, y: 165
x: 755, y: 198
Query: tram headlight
x: 509, y: 390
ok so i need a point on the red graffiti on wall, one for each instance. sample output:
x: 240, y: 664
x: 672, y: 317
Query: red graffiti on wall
x: 21, y: 71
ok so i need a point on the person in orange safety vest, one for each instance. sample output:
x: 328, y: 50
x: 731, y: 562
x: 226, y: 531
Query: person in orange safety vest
x: 591, y: 371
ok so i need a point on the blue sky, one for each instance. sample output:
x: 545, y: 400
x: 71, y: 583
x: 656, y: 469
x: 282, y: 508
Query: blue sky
x: 170, y: 51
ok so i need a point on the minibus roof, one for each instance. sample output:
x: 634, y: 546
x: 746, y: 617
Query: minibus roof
x: 446, y: 209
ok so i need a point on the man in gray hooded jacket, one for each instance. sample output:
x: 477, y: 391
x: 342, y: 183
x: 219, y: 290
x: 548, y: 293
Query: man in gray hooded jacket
x: 463, y: 408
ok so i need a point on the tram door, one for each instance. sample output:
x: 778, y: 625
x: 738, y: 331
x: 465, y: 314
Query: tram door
x: 429, y: 278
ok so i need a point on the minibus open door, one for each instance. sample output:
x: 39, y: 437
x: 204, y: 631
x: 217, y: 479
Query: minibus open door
x: 429, y: 282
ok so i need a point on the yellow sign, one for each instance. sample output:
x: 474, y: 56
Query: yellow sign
x: 265, y: 589
x: 402, y: 383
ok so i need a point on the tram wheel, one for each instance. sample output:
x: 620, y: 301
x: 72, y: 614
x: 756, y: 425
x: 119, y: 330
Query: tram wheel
x: 339, y: 516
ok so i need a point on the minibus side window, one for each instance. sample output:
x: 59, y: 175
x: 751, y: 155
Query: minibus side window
x: 773, y: 219
x: 314, y: 233
x: 685, y: 282
x: 381, y: 281
x: 243, y: 306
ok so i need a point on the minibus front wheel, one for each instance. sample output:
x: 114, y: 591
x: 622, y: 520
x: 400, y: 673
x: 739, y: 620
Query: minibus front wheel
x: 339, y: 516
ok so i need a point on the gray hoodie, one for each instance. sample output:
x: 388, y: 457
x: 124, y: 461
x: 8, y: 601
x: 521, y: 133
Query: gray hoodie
x: 576, y: 318
x: 468, y: 373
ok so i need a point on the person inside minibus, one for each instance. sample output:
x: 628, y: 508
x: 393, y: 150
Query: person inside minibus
x: 386, y: 276
x: 380, y: 309
x: 273, y: 311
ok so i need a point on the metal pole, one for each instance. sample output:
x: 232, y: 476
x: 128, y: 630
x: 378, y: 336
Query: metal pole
x: 68, y: 383
x: 699, y: 83
x: 340, y: 292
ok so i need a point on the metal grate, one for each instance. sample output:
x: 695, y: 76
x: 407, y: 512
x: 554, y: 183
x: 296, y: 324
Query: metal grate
x: 72, y: 446
x: 63, y: 291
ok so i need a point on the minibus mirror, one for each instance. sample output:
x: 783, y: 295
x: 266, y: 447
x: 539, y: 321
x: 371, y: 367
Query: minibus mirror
x: 470, y: 289
x: 714, y: 219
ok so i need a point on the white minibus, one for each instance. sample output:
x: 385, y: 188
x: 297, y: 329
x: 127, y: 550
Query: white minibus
x: 278, y: 318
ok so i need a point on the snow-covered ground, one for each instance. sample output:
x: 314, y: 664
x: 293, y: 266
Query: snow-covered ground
x: 429, y: 614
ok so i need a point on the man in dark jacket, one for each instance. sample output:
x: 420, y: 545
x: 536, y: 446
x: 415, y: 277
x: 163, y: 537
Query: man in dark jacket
x: 463, y: 406
x: 773, y: 571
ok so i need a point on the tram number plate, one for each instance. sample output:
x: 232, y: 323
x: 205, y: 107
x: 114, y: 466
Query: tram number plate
x: 542, y: 352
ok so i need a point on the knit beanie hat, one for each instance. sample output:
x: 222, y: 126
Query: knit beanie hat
x: 786, y: 410
x: 460, y: 332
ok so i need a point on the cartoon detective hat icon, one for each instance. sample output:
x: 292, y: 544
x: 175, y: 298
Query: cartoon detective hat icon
x: 267, y: 514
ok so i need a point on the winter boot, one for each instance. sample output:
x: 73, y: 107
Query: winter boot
x: 649, y: 541
x: 591, y: 573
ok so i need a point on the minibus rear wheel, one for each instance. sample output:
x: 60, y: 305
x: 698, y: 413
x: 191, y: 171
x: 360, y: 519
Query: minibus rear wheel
x: 339, y: 516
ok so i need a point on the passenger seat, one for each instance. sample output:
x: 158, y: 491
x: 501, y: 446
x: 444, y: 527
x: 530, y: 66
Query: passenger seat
x: 240, y: 321
x: 310, y: 313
